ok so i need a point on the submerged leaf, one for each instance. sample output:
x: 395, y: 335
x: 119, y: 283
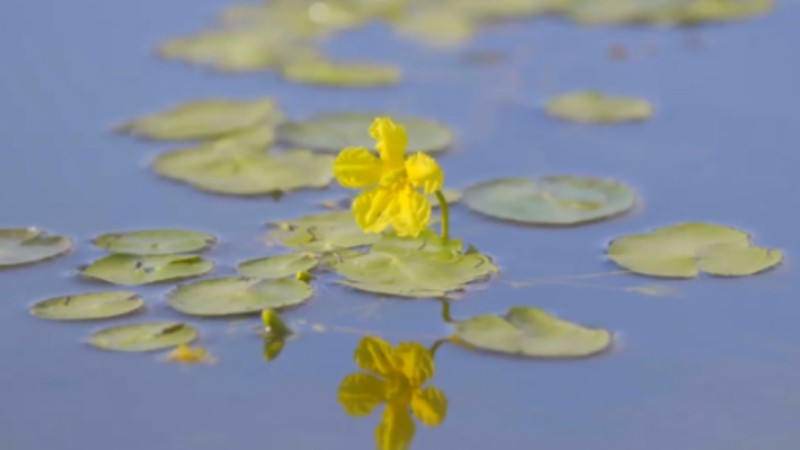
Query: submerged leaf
x: 190, y: 355
x: 686, y: 249
x: 154, y: 242
x: 562, y: 200
x: 21, y: 246
x: 533, y: 333
x: 345, y: 74
x: 324, y: 232
x: 233, y: 296
x: 143, y: 337
x: 280, y: 266
x: 95, y: 305
x: 145, y: 269
x: 596, y: 107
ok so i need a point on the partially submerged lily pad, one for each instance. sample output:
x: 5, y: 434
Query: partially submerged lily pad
x: 560, y: 200
x: 234, y: 296
x: 205, y: 119
x: 154, y: 242
x: 332, y: 132
x: 596, y: 107
x: 534, y: 333
x: 685, y: 250
x: 95, y: 305
x: 419, y: 267
x: 143, y: 337
x: 323, y: 232
x: 346, y: 74
x: 279, y: 266
x: 21, y: 246
x: 145, y: 269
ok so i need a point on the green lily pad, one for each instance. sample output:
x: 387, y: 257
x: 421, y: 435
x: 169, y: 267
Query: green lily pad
x: 420, y: 267
x: 344, y: 74
x: 234, y: 296
x: 533, y: 333
x: 21, y: 246
x: 155, y: 242
x: 243, y: 50
x: 95, y: 305
x: 145, y: 269
x: 596, y: 107
x: 205, y: 119
x: 684, y: 250
x: 438, y: 27
x: 561, y: 200
x: 332, y: 132
x: 665, y: 12
x: 323, y: 232
x: 225, y: 168
x: 278, y: 266
x: 143, y: 337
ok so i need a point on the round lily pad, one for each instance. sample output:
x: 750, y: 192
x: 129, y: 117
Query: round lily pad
x: 685, y: 250
x: 560, y: 200
x: 20, y: 246
x: 596, y: 107
x: 324, y: 232
x: 154, y: 242
x: 278, y: 266
x: 534, y: 333
x: 143, y: 337
x: 334, y: 131
x: 350, y: 74
x: 233, y: 296
x: 145, y: 269
x: 95, y: 305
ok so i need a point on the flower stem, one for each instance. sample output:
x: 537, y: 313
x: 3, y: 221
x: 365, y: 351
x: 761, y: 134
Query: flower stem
x: 445, y: 215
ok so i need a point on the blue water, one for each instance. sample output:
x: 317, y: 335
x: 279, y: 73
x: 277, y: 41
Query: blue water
x: 713, y: 366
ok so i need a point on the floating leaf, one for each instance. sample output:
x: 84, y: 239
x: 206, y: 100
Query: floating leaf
x: 596, y: 107
x: 345, y: 74
x: 233, y: 296
x: 419, y: 267
x: 228, y: 50
x: 562, y: 200
x: 532, y: 332
x: 154, y: 242
x: 143, y: 337
x: 321, y: 232
x: 665, y: 12
x: 686, y: 249
x: 334, y: 131
x: 280, y: 266
x: 437, y: 27
x: 205, y: 119
x: 95, y: 305
x: 136, y: 269
x: 20, y: 246
x: 224, y: 168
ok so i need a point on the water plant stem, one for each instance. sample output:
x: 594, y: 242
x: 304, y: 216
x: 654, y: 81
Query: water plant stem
x: 445, y: 215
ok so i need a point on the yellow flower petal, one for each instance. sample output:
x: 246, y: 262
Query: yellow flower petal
x: 396, y: 430
x: 411, y: 212
x: 423, y: 171
x: 376, y: 355
x: 373, y: 210
x: 392, y: 140
x: 415, y: 362
x: 430, y: 406
x: 357, y: 168
x: 360, y: 393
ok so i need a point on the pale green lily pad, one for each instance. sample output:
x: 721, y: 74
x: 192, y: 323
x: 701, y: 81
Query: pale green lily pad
x: 665, y: 12
x: 344, y: 74
x: 226, y: 168
x: 323, y: 232
x: 228, y: 50
x: 143, y: 337
x: 685, y: 250
x: 278, y: 266
x: 144, y: 269
x: 419, y: 267
x: 95, y: 305
x: 332, y: 132
x: 596, y: 107
x: 438, y: 27
x: 560, y: 200
x: 21, y: 246
x: 205, y: 119
x: 533, y: 333
x: 155, y: 242
x: 234, y: 296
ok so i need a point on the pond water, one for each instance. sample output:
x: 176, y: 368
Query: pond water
x: 711, y: 364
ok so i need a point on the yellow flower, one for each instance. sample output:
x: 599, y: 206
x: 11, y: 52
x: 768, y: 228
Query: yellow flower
x: 393, y: 181
x: 397, y: 378
x: 188, y: 355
